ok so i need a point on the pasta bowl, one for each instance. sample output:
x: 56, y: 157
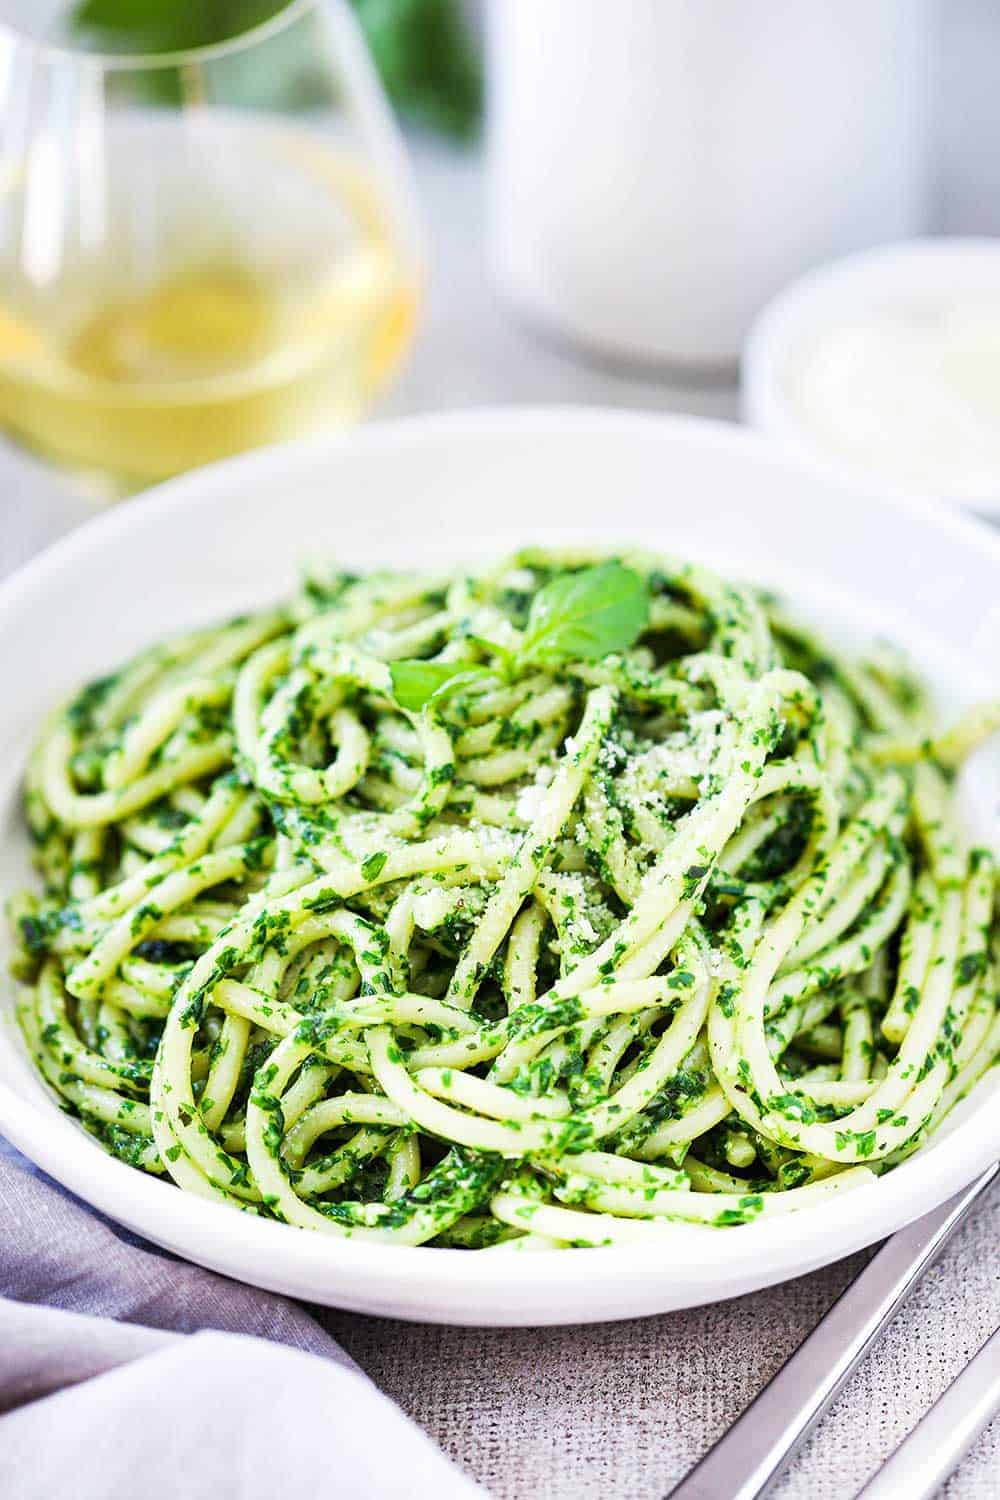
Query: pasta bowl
x: 441, y: 490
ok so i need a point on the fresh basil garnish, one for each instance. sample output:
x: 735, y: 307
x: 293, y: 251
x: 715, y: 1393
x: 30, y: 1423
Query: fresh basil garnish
x: 587, y: 615
x: 417, y: 683
x: 576, y: 617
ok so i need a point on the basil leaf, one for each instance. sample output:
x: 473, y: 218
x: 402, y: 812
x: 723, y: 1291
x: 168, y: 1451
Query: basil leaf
x: 417, y: 683
x: 584, y: 616
x: 576, y: 617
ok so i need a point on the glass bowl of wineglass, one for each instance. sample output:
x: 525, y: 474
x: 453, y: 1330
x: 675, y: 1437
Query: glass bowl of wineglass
x: 201, y: 251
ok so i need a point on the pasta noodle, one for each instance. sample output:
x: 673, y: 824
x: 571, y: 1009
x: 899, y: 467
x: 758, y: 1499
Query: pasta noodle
x: 548, y: 906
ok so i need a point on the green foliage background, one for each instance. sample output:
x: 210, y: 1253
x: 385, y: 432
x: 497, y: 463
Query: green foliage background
x: 422, y: 48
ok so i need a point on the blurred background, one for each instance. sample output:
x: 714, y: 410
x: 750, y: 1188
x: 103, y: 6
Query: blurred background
x: 215, y: 233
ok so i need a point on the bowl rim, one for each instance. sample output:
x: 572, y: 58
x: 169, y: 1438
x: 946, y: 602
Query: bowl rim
x: 158, y: 1211
x: 182, y: 491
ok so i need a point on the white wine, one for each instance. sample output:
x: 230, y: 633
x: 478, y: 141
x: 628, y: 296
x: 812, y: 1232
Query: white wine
x: 249, y: 291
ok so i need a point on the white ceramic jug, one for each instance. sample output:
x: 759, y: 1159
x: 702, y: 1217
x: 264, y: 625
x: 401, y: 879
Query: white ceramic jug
x: 660, y: 168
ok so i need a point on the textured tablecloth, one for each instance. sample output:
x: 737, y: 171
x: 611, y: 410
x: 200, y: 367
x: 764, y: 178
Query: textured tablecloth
x: 620, y: 1410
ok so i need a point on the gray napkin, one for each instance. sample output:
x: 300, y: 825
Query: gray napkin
x: 123, y: 1371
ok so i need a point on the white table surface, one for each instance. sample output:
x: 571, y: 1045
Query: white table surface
x: 619, y: 1410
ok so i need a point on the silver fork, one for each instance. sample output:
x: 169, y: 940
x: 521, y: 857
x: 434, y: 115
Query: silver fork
x: 943, y: 1437
x: 762, y: 1440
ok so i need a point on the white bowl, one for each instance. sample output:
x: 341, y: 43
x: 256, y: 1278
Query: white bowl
x: 913, y: 275
x: 450, y: 487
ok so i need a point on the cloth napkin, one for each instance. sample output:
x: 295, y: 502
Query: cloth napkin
x: 125, y: 1371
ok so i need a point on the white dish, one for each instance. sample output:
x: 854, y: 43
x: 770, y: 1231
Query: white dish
x: 470, y: 485
x: 912, y: 277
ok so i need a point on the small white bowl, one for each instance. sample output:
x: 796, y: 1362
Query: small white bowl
x: 911, y: 275
x: 432, y: 491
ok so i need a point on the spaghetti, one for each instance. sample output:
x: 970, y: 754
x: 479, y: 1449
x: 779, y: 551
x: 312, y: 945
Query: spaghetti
x: 548, y: 906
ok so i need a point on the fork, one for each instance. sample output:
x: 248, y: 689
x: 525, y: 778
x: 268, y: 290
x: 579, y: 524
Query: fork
x: 757, y: 1447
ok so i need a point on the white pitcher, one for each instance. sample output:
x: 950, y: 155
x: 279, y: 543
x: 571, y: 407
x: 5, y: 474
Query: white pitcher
x: 659, y: 168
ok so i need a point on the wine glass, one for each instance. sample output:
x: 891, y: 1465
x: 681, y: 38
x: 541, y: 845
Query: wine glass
x: 200, y: 251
